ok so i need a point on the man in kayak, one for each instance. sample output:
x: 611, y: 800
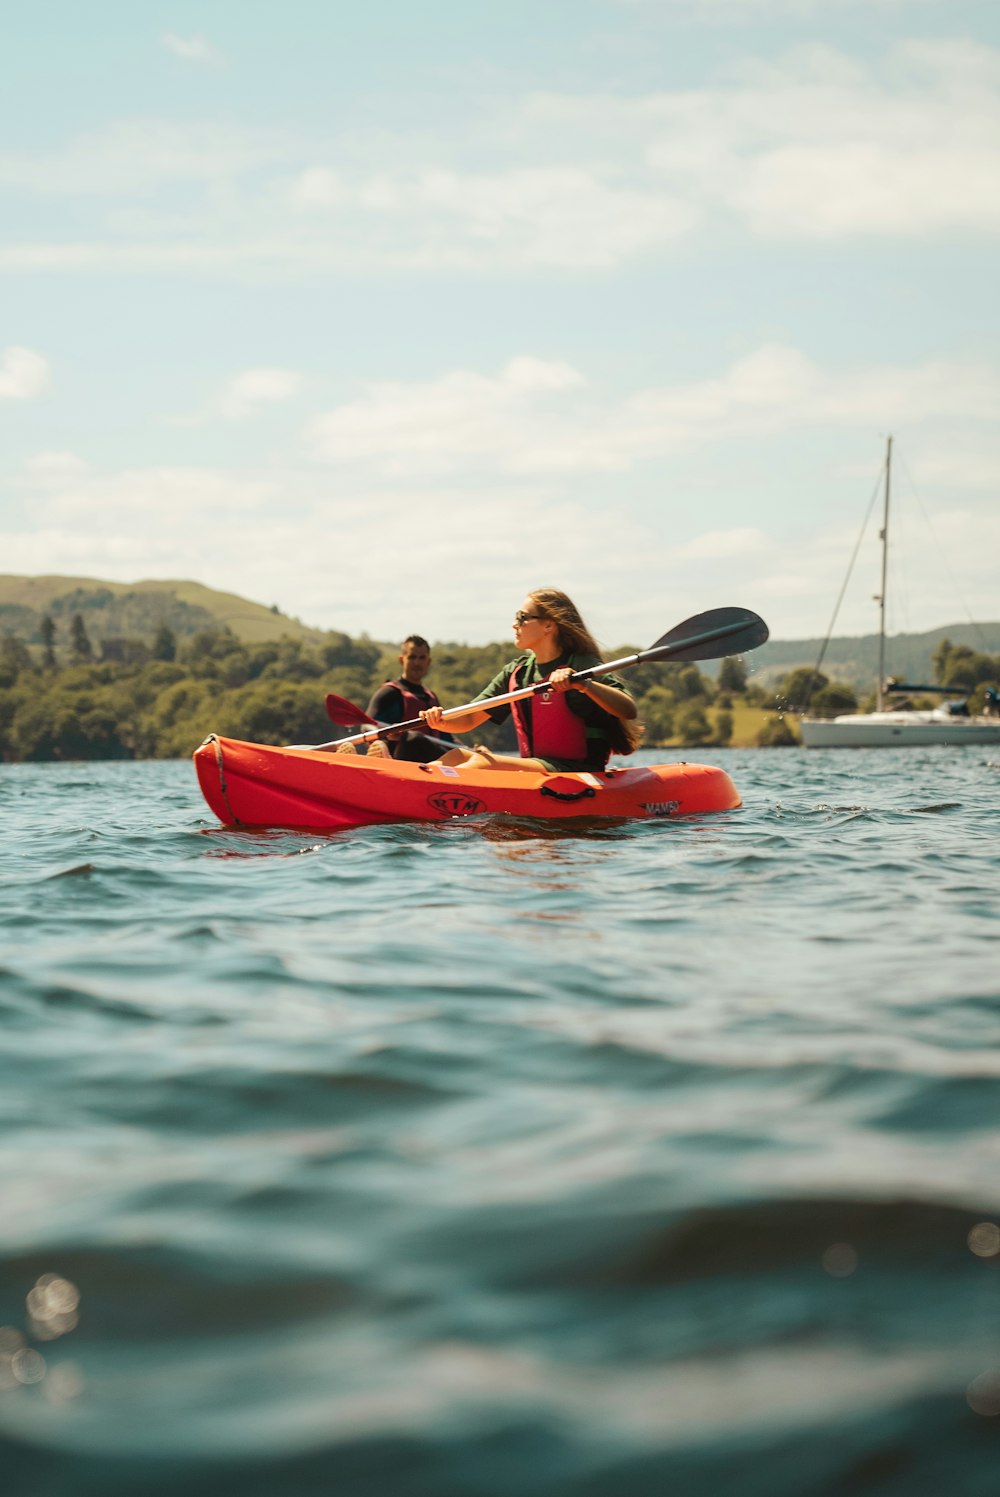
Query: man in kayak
x: 402, y: 700
x: 565, y: 727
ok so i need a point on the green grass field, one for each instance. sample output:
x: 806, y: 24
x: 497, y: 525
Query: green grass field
x: 747, y: 724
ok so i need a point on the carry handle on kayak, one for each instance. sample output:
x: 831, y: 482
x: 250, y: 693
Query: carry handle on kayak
x: 705, y: 636
x: 587, y: 793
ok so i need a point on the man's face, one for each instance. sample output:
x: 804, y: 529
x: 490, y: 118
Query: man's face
x: 416, y: 662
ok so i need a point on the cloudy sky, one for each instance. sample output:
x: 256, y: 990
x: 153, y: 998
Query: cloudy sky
x: 387, y: 313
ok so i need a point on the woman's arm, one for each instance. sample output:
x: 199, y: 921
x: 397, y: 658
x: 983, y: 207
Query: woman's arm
x: 613, y: 700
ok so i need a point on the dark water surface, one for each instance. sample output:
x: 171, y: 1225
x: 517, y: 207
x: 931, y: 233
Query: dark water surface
x: 481, y: 1159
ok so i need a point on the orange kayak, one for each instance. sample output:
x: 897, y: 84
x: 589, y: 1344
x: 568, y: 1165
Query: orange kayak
x: 254, y: 785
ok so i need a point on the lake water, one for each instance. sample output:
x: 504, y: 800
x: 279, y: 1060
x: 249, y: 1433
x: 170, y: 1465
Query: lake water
x: 481, y: 1159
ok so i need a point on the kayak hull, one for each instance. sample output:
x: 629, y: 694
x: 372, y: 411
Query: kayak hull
x: 256, y: 785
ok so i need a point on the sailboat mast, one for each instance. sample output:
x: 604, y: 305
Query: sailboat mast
x: 884, y: 538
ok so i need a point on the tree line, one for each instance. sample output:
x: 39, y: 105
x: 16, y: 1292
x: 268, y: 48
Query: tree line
x: 133, y: 698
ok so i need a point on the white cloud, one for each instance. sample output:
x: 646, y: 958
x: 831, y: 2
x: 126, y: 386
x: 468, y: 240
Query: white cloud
x: 634, y: 575
x: 55, y: 467
x: 256, y: 387
x: 190, y: 48
x: 140, y: 501
x: 779, y: 389
x: 134, y: 158
x: 318, y: 187
x: 816, y: 144
x: 439, y: 425
x: 23, y: 374
x: 528, y: 217
x: 524, y: 455
x: 813, y: 146
x: 543, y: 418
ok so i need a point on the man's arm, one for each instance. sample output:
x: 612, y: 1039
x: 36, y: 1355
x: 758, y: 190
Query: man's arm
x: 386, y: 704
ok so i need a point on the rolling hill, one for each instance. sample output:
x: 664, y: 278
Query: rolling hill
x: 135, y: 610
x: 854, y: 658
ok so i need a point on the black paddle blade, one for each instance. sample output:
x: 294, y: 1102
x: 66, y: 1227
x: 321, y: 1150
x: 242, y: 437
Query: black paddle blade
x: 344, y: 713
x: 710, y: 636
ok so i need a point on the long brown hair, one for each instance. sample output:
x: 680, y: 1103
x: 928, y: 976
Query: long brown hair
x: 576, y: 639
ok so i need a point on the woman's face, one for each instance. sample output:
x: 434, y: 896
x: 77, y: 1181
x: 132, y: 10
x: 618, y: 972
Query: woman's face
x: 531, y: 630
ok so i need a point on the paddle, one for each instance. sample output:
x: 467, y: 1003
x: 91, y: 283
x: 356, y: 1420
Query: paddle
x: 706, y: 636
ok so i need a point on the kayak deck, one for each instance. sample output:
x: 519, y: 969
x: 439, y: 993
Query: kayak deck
x: 256, y: 785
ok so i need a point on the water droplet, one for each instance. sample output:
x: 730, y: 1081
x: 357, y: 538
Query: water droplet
x: 840, y: 1260
x: 984, y: 1240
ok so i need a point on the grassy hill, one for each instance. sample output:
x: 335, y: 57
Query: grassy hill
x: 135, y: 610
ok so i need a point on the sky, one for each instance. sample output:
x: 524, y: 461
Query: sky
x: 386, y: 314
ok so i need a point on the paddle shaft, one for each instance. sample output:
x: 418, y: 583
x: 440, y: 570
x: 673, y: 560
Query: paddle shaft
x: 379, y: 730
x: 743, y: 626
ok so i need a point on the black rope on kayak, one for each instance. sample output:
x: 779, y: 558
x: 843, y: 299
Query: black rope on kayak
x: 222, y: 783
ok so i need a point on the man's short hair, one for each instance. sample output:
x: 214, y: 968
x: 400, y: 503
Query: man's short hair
x: 415, y: 639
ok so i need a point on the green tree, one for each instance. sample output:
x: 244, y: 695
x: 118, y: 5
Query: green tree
x: 293, y: 662
x: 690, y: 684
x: 723, y: 727
x: 165, y: 643
x: 798, y: 688
x: 359, y: 654
x: 832, y: 700
x: 48, y: 640
x: 124, y: 651
x: 777, y: 732
x: 656, y: 709
x: 733, y: 674
x: 15, y: 659
x: 942, y: 658
x: 693, y: 725
x: 965, y: 669
x: 79, y: 641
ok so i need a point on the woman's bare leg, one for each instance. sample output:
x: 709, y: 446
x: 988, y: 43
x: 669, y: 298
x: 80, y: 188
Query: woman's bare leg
x: 483, y: 758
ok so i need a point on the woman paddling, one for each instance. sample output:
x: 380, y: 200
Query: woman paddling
x: 564, y: 727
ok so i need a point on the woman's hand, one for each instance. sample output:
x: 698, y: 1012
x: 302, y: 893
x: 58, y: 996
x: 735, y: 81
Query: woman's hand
x: 562, y: 679
x: 434, y: 718
x: 617, y: 703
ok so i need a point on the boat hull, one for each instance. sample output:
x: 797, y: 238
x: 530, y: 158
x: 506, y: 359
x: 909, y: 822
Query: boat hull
x: 255, y: 785
x: 897, y: 730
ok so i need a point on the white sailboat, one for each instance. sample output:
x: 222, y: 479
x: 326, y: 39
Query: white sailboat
x: 949, y: 724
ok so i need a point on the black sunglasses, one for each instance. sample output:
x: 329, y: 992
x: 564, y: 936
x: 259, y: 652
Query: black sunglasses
x: 521, y: 617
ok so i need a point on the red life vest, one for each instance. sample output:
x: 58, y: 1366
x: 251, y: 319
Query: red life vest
x: 556, y: 731
x: 413, y: 705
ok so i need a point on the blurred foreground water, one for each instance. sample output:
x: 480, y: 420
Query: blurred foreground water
x: 481, y: 1158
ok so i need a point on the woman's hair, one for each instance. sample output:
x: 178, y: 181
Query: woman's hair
x: 576, y: 639
x: 574, y: 636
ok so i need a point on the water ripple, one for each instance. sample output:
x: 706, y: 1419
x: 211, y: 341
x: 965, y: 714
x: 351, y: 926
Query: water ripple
x: 491, y: 1157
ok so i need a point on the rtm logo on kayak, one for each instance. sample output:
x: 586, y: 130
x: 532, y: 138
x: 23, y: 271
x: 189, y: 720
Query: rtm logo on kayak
x: 661, y: 807
x: 454, y: 803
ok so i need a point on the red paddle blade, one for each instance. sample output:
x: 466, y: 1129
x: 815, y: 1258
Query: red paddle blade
x: 344, y: 713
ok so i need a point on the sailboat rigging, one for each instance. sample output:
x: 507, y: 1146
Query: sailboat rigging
x: 948, y: 724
